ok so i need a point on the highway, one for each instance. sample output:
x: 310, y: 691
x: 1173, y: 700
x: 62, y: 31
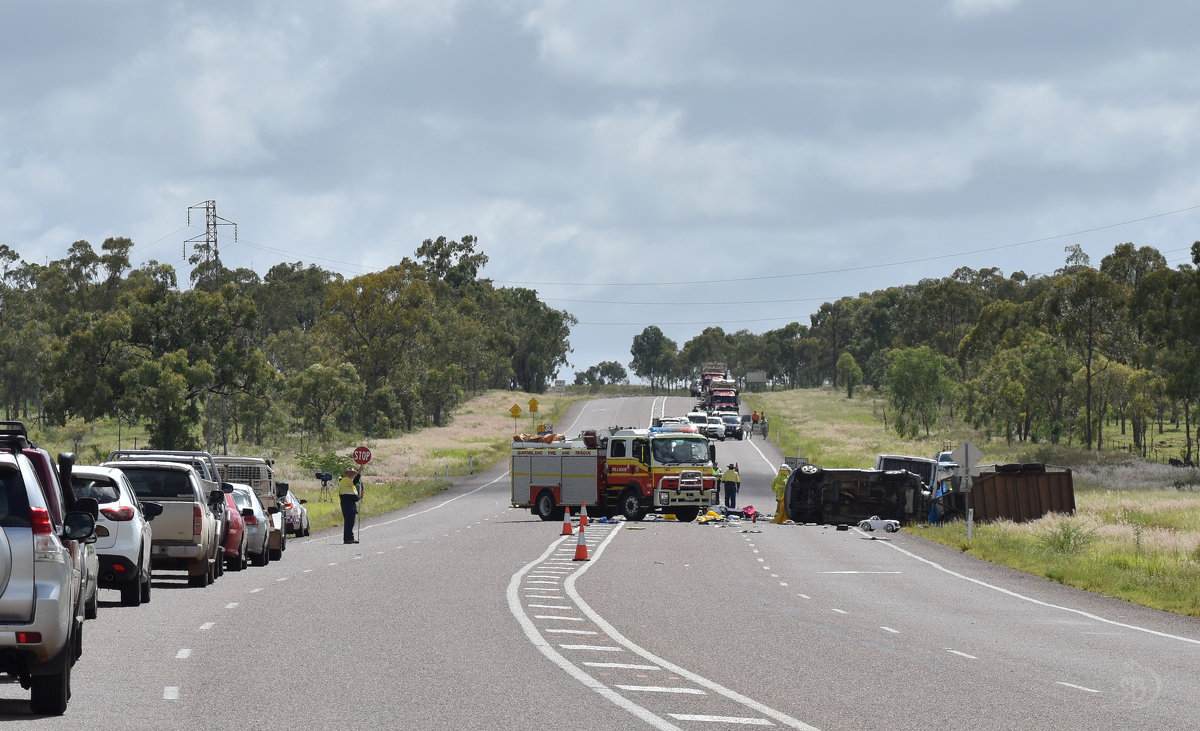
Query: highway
x: 461, y: 612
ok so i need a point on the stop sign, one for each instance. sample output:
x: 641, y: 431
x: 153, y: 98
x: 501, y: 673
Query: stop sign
x: 362, y: 455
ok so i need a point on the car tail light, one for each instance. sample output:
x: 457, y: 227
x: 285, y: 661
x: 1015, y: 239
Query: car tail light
x: 39, y: 520
x: 29, y: 638
x: 251, y: 520
x: 123, y: 513
x: 287, y: 505
x: 197, y: 521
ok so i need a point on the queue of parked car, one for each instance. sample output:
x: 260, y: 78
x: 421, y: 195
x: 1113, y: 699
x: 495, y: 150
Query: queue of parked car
x: 71, y: 530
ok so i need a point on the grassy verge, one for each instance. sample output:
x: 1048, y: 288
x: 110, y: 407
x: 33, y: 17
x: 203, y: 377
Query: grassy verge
x: 1135, y: 533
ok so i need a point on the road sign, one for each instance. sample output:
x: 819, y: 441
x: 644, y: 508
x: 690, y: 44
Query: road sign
x: 967, y: 457
x: 515, y: 411
x: 362, y: 455
x: 533, y: 406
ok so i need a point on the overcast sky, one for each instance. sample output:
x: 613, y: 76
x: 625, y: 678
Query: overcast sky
x: 685, y: 163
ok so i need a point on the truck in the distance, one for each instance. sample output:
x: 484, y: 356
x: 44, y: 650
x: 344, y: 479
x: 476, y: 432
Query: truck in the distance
x: 259, y: 474
x: 629, y: 472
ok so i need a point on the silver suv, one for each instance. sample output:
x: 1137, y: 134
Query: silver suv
x: 42, y: 572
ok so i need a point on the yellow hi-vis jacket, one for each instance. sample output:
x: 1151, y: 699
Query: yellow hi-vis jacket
x: 731, y: 475
x: 779, y: 483
x: 346, y: 486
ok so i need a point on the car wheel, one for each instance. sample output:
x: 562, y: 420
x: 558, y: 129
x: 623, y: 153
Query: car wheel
x: 131, y: 592
x: 91, y: 608
x: 282, y: 541
x: 543, y: 507
x: 49, y: 693
x: 631, y: 506
x: 891, y: 528
x: 145, y: 587
x: 198, y: 580
x: 686, y: 515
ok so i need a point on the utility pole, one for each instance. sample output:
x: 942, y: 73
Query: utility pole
x: 207, y: 249
x: 206, y: 275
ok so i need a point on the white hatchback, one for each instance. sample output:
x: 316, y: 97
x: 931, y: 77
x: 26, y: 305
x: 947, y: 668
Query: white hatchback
x: 122, y: 531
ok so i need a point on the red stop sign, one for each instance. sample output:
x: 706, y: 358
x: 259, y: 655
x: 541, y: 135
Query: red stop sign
x: 362, y: 455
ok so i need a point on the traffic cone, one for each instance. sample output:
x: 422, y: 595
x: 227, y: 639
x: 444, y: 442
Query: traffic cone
x: 566, y: 531
x: 581, y: 553
x: 583, y: 521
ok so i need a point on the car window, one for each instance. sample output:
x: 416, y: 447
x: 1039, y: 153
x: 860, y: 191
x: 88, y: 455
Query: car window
x: 150, y: 483
x: 242, y: 500
x: 103, y: 490
x: 14, y: 504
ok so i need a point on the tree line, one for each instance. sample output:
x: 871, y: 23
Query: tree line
x: 238, y: 356
x: 1040, y: 358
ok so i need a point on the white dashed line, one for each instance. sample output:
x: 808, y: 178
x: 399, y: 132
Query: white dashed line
x: 555, y: 616
x: 282, y: 578
x: 171, y: 693
x: 960, y: 654
x: 571, y: 632
x: 231, y: 605
x: 661, y: 689
x: 596, y: 648
x: 621, y: 666
x: 183, y: 654
x: 1078, y: 687
x: 736, y: 720
x: 889, y: 629
x: 255, y: 591
x: 206, y: 626
x: 839, y: 611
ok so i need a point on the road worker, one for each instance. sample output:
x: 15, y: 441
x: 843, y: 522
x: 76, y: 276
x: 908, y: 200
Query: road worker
x: 779, y: 485
x: 731, y: 480
x: 350, y: 492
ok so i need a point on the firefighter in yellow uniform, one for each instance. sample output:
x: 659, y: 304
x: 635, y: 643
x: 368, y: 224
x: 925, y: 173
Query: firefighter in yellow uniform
x: 779, y: 485
x: 350, y: 492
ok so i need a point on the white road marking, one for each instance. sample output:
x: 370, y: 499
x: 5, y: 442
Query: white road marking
x: 889, y: 629
x: 1078, y: 687
x: 960, y: 654
x: 804, y: 596
x: 1039, y: 602
x: 736, y: 720
x: 661, y: 689
x: 171, y: 693
x: 255, y: 591
x: 858, y: 572
x: 282, y: 578
x: 558, y: 616
x: 539, y: 596
x: 621, y: 666
x: 306, y: 571
x: 547, y: 606
x: 542, y: 581
x: 572, y: 631
x: 783, y: 583
x: 839, y: 611
x: 595, y: 648
x: 183, y: 654
x: 206, y: 626
x: 231, y: 605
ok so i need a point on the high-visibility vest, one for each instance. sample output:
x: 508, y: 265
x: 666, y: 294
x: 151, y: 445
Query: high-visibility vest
x: 346, y: 486
x: 731, y: 476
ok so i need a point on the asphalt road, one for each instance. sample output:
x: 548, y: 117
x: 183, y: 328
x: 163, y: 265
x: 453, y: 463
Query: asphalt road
x: 463, y: 613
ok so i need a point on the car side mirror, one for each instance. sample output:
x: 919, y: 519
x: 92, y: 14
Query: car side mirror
x: 216, y: 498
x: 77, y: 525
x: 273, y: 510
x: 226, y: 487
x: 89, y: 505
x: 151, y: 510
x: 303, y: 502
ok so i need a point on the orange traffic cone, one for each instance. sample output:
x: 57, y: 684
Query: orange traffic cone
x: 581, y: 553
x: 566, y: 531
x: 583, y: 521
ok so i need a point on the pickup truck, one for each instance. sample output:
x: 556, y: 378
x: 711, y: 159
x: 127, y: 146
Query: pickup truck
x: 259, y: 474
x: 189, y: 533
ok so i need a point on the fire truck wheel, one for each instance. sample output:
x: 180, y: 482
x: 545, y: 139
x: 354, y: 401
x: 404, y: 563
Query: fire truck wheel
x: 543, y: 507
x: 631, y: 506
x: 686, y: 515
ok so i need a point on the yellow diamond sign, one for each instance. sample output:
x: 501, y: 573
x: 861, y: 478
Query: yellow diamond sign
x: 515, y: 411
x: 533, y: 404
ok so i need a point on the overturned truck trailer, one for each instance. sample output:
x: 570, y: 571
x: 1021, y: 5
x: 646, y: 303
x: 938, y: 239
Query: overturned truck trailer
x: 816, y: 495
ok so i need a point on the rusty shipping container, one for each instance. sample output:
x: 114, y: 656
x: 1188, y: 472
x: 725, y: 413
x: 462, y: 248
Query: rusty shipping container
x: 1020, y: 492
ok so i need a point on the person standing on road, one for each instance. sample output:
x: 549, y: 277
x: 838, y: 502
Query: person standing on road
x: 732, y: 481
x: 763, y: 423
x: 779, y: 485
x: 754, y: 422
x: 350, y: 491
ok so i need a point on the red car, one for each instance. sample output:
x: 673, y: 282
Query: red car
x: 235, y: 536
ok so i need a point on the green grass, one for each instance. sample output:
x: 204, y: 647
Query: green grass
x: 1135, y: 533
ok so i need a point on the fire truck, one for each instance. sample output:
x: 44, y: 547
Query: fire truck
x: 618, y: 471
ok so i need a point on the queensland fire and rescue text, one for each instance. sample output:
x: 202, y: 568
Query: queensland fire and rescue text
x: 629, y: 472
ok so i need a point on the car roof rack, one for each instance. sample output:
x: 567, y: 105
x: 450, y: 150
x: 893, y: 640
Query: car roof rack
x: 14, y: 435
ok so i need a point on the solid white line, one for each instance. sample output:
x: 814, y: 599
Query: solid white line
x: 960, y: 654
x: 1077, y: 687
x: 612, y: 632
x: 661, y: 689
x: 721, y: 719
x: 544, y: 646
x: 858, y: 572
x: 171, y: 693
x: 622, y: 666
x: 593, y: 648
x: 572, y: 632
x: 435, y: 507
x: 183, y: 654
x: 558, y: 616
x: 1039, y: 602
x: 547, y: 606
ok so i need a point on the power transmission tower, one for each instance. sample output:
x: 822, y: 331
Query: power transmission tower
x: 208, y: 254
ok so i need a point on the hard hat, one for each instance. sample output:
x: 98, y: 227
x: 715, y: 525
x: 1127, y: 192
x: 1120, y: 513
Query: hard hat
x: 785, y: 467
x: 731, y: 465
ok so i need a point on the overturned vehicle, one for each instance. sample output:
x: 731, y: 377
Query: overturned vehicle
x: 833, y: 496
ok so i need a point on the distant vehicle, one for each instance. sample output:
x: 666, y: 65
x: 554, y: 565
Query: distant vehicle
x: 258, y: 523
x: 234, y: 545
x: 733, y: 425
x: 123, y: 531
x: 295, y: 515
x: 922, y: 467
x: 715, y: 427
